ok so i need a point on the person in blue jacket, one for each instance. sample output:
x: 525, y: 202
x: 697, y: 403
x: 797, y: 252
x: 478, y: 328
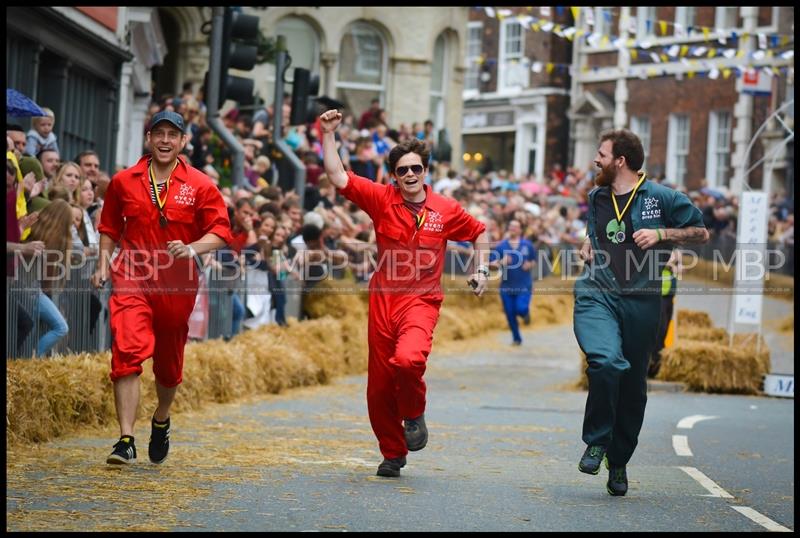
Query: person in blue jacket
x: 516, y: 256
x: 633, y: 226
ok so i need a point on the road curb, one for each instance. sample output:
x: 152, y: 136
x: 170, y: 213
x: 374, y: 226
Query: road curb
x: 665, y: 386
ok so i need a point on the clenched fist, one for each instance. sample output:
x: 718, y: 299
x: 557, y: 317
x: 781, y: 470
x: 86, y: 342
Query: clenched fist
x: 330, y: 120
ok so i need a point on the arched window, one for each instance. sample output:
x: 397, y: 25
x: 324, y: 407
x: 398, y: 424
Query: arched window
x: 362, y: 68
x: 439, y: 68
x: 302, y: 42
x: 303, y: 45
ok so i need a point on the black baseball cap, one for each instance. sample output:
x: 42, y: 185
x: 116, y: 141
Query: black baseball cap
x: 172, y: 117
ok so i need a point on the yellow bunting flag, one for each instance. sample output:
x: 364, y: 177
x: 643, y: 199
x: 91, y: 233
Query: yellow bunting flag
x: 576, y: 11
x: 740, y: 54
x: 550, y: 68
x: 684, y: 50
x: 604, y: 41
x: 664, y: 57
x: 706, y: 33
x: 663, y: 25
x: 634, y: 54
x: 712, y: 52
x: 726, y: 73
x: 652, y: 72
x: 690, y: 74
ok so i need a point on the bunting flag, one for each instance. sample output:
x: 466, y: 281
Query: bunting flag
x: 768, y: 45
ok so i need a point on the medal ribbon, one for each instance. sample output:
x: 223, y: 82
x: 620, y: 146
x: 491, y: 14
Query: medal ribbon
x: 616, y: 208
x: 420, y: 217
x: 155, y: 186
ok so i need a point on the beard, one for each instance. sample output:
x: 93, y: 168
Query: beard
x: 606, y: 176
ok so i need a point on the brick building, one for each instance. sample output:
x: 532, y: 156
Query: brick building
x: 540, y: 86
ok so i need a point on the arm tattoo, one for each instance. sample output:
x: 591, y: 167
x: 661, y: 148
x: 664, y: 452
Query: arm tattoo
x: 684, y: 236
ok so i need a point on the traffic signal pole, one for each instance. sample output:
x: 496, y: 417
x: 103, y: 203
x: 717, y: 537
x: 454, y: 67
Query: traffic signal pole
x: 277, y: 121
x: 212, y: 99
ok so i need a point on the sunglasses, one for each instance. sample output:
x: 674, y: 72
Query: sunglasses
x: 401, y: 171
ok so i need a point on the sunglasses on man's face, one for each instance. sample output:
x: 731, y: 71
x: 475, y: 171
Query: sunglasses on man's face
x: 401, y: 171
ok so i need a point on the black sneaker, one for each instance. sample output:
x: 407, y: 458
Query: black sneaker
x: 159, y: 441
x: 124, y: 452
x: 591, y: 459
x: 617, y: 484
x: 416, y: 433
x: 391, y: 468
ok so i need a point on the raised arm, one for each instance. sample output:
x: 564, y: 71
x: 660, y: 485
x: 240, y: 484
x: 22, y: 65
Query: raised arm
x: 334, y: 169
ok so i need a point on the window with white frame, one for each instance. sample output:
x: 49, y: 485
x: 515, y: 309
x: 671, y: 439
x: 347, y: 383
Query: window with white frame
x: 640, y: 125
x: 513, y: 68
x: 602, y: 21
x: 439, y: 79
x: 677, y: 148
x: 719, y: 148
x: 726, y: 17
x: 685, y: 16
x: 474, y: 48
x: 645, y: 22
x: 362, y: 67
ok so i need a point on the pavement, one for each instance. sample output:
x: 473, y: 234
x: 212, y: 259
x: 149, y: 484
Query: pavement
x: 504, y: 444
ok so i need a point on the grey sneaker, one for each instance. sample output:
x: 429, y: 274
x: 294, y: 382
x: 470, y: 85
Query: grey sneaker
x: 591, y: 459
x: 416, y: 433
x: 391, y: 467
x: 617, y: 484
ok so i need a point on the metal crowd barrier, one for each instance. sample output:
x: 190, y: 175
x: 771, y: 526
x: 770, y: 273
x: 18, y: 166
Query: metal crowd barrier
x: 22, y: 292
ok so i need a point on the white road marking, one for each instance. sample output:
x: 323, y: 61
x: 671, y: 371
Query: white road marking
x: 762, y: 520
x: 687, y: 423
x: 706, y: 482
x: 681, y: 445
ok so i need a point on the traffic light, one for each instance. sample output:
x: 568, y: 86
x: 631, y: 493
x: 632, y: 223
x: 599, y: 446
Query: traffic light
x: 239, y: 51
x: 305, y: 89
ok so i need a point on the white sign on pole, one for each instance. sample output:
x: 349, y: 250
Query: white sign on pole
x: 752, y: 219
x: 751, y: 258
x: 748, y: 309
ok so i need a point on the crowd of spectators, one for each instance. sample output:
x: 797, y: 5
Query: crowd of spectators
x: 280, y: 238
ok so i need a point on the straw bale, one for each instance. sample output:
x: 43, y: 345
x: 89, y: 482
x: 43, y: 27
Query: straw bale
x: 694, y: 318
x: 44, y: 398
x: 51, y: 397
x: 712, y: 367
x: 703, y: 334
x: 787, y: 324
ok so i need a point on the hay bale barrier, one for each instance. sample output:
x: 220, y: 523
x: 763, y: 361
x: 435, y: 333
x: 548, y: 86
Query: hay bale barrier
x: 704, y: 360
x: 60, y: 395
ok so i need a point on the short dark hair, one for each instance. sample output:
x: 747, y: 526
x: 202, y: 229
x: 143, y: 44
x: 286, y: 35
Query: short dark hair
x: 86, y: 153
x: 413, y: 145
x: 310, y: 233
x: 241, y: 202
x: 625, y: 143
x: 45, y: 150
x: 14, y: 127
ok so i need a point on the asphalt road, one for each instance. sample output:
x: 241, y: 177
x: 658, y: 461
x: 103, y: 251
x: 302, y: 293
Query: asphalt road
x: 502, y: 456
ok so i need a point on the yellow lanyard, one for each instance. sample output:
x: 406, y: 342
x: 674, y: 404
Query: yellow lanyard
x: 155, y: 187
x: 616, y: 208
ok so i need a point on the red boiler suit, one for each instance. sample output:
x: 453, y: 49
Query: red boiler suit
x: 154, y: 295
x: 404, y: 300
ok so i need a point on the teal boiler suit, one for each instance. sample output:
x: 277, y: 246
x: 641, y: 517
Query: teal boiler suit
x: 617, y: 329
